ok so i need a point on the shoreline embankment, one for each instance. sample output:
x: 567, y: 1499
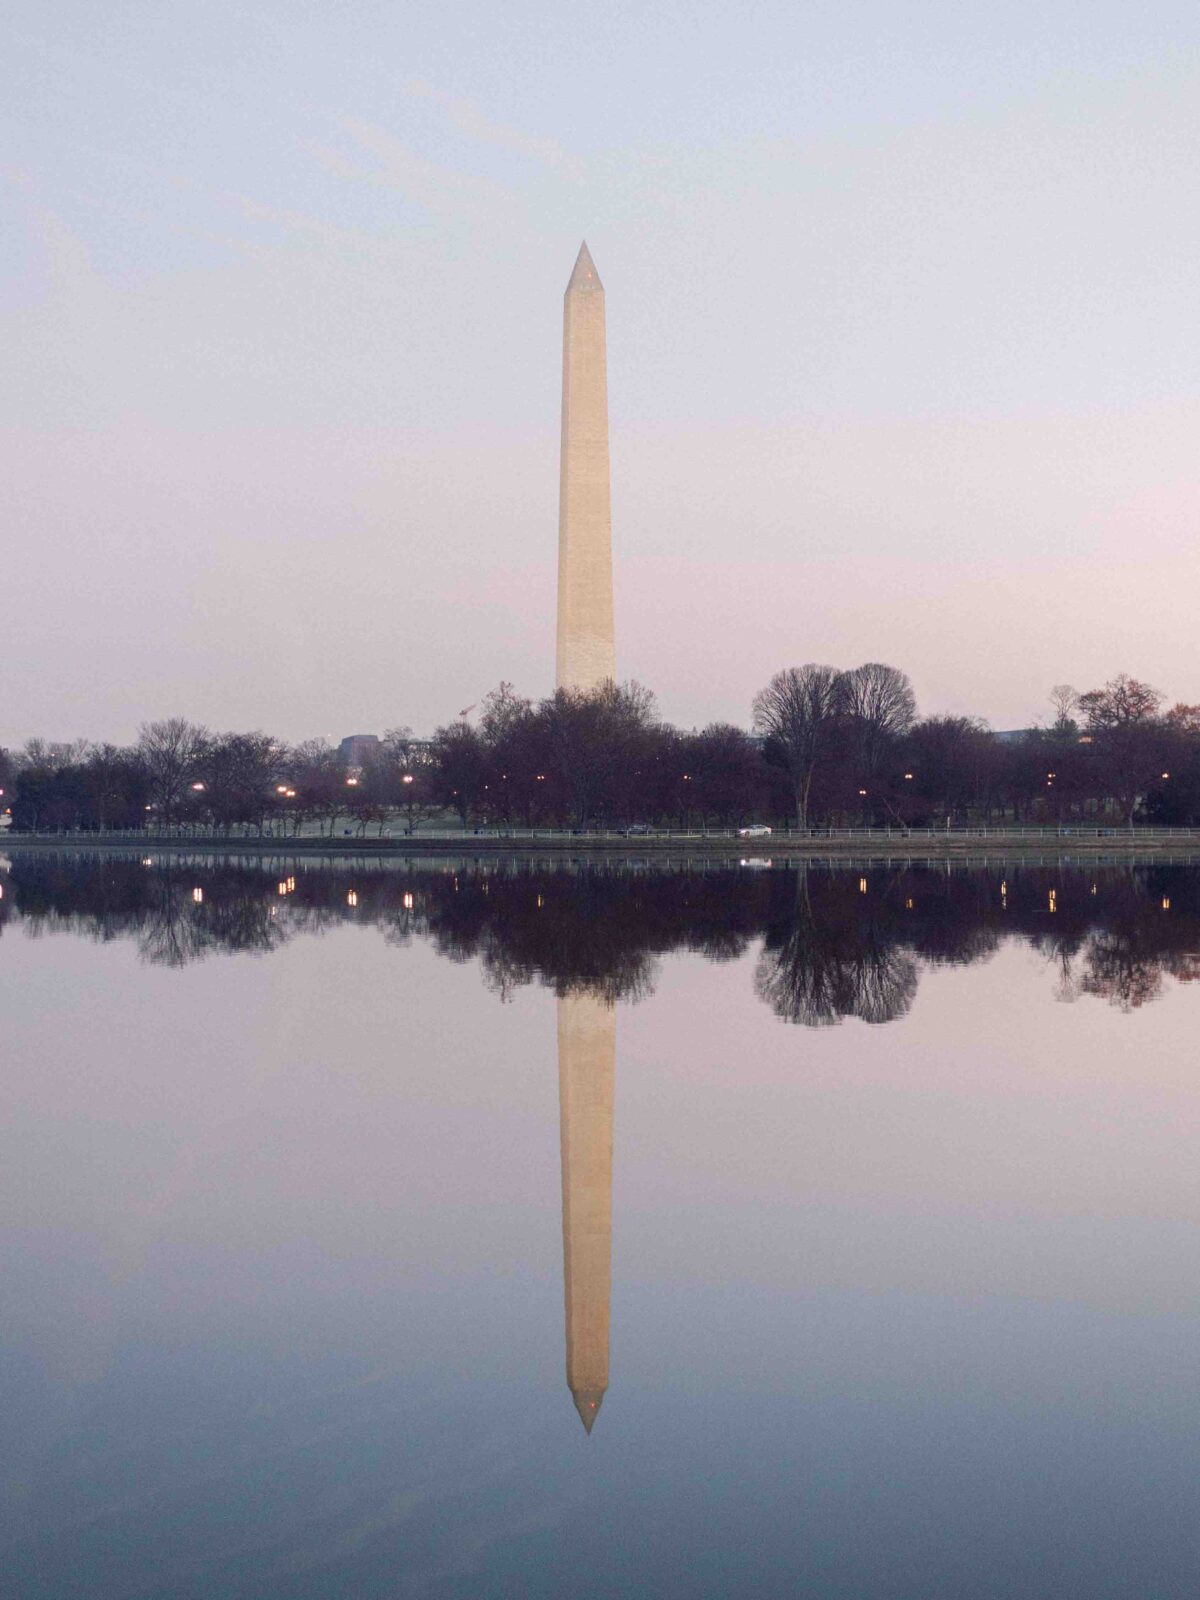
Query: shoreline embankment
x: 848, y: 845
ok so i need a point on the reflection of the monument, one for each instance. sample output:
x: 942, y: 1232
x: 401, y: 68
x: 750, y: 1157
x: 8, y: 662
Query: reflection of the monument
x: 832, y: 944
x: 587, y: 1047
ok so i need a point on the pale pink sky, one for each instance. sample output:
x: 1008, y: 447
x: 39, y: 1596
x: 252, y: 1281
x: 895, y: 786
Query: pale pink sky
x: 903, y: 351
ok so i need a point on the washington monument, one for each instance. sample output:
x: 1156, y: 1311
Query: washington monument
x: 586, y: 659
x: 586, y: 1078
x: 586, y: 656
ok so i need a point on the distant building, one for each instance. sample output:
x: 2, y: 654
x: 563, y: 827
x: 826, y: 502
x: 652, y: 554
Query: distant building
x: 358, y: 749
x: 420, y: 752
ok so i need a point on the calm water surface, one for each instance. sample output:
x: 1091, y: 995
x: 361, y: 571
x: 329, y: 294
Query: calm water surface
x: 854, y: 1213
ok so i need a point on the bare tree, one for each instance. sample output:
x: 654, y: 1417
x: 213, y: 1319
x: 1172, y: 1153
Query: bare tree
x: 882, y: 708
x: 1129, y: 737
x: 169, y: 751
x: 396, y: 745
x: 503, y: 710
x: 800, y: 710
x: 240, y: 772
x: 319, y: 777
x: 1064, y: 698
x: 598, y: 743
x: 1122, y: 701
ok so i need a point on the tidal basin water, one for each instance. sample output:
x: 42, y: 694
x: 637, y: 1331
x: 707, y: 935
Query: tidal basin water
x: 854, y: 1212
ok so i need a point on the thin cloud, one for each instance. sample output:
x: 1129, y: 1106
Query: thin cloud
x: 466, y: 116
x: 299, y: 222
x: 427, y: 183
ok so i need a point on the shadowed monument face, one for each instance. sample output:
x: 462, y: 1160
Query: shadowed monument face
x: 586, y: 656
x: 586, y: 1073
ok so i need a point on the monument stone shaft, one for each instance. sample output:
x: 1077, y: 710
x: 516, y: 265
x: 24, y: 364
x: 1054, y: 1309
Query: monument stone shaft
x: 587, y: 1049
x: 586, y: 657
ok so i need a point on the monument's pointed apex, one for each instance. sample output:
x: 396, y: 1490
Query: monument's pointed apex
x: 588, y: 1403
x: 585, y: 275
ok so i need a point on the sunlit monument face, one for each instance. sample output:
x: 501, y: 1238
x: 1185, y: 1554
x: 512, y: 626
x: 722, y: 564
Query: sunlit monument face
x: 586, y: 655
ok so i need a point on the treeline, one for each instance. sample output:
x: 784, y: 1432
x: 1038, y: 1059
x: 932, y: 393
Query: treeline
x: 828, y: 747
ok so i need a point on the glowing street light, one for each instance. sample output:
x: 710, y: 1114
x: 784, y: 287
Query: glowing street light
x: 198, y: 895
x: 198, y: 787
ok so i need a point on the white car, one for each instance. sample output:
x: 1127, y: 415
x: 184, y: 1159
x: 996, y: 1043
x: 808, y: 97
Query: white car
x: 756, y: 830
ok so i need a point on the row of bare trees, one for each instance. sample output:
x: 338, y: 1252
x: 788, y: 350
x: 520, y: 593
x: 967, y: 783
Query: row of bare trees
x: 828, y: 746
x: 181, y: 776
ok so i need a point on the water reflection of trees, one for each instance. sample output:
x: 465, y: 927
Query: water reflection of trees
x: 834, y: 955
x: 833, y: 944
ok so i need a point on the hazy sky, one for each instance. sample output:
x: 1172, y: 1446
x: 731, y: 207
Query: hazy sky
x: 904, y: 350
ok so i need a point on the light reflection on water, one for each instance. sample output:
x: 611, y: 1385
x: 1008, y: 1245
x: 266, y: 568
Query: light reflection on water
x: 295, y: 1255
